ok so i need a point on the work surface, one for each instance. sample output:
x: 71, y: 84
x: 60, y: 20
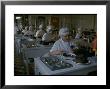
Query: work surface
x: 76, y: 69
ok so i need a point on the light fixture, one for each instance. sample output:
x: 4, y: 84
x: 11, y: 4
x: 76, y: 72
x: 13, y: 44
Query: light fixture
x: 18, y: 17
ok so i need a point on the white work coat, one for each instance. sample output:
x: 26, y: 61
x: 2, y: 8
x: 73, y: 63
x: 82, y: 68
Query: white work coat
x: 39, y: 33
x: 78, y: 35
x: 28, y: 33
x: 16, y: 29
x: 47, y: 37
x: 61, y: 45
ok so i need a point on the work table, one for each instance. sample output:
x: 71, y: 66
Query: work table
x: 77, y: 69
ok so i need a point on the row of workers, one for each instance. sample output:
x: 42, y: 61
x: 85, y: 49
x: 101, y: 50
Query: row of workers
x: 63, y: 41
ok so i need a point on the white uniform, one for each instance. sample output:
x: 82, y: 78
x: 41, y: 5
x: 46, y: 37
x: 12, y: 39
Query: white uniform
x: 78, y: 35
x: 47, y: 37
x: 24, y: 31
x: 39, y: 33
x: 29, y: 33
x: 61, y: 45
x: 16, y: 29
x: 49, y: 28
x: 30, y: 28
x: 20, y: 27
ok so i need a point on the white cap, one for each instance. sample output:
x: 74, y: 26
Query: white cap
x: 63, y: 32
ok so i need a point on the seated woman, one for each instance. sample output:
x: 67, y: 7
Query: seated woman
x: 25, y: 30
x: 40, y: 32
x: 78, y: 35
x: 48, y: 36
x: 63, y: 45
x: 29, y: 32
x: 15, y: 29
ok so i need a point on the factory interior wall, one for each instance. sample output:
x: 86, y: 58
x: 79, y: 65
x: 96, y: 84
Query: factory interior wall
x: 71, y: 21
x: 75, y: 21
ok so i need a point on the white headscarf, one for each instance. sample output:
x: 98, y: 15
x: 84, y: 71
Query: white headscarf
x: 63, y: 32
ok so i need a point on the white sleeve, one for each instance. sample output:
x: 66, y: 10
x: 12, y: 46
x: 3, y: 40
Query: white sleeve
x: 55, y: 47
x: 77, y: 36
x: 44, y: 37
x: 37, y: 34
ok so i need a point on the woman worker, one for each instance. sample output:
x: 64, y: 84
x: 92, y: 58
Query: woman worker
x: 40, y: 32
x: 46, y: 38
x: 78, y: 35
x: 64, y: 44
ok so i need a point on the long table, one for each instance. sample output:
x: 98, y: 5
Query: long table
x: 33, y: 53
x: 29, y: 48
x: 77, y: 69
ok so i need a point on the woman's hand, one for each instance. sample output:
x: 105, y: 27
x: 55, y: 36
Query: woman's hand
x: 57, y: 52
